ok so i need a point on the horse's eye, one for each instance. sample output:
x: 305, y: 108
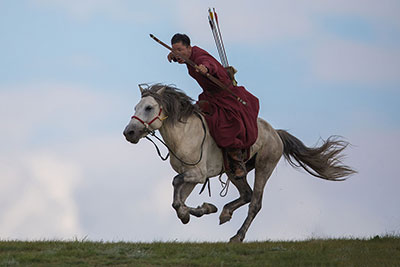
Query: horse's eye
x: 148, y: 108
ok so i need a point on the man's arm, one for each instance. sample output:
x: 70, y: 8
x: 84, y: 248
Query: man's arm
x: 208, y: 65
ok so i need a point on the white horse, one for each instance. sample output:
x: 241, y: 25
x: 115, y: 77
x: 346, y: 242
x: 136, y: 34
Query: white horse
x: 196, y: 157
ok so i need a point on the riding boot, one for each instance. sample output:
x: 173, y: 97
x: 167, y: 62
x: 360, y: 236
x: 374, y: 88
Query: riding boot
x: 236, y: 162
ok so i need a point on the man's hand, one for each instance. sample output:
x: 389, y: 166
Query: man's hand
x: 202, y: 69
x: 171, y: 57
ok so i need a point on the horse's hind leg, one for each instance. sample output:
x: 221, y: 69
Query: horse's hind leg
x: 244, y: 191
x: 244, y: 198
x: 262, y: 175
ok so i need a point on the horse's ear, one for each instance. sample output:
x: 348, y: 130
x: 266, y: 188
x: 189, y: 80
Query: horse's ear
x: 161, y: 90
x: 141, y: 89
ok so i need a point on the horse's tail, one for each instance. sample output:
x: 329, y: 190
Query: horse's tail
x: 322, y: 162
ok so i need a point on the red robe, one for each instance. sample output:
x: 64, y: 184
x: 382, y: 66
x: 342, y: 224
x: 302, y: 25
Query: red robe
x: 231, y: 124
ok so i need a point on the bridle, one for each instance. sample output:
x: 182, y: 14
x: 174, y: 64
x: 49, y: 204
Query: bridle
x: 147, y: 124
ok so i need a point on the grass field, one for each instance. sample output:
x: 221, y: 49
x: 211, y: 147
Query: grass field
x: 378, y: 251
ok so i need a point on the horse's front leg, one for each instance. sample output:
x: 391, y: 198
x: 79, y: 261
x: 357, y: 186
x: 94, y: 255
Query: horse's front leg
x: 182, y: 190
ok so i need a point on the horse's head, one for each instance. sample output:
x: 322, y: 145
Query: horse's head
x: 148, y: 117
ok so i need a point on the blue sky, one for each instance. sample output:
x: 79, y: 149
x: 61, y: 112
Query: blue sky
x: 68, y: 84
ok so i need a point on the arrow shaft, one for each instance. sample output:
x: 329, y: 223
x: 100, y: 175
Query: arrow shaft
x: 220, y: 38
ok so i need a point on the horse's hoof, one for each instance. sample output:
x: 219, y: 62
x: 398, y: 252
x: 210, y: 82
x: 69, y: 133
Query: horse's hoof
x: 209, y: 208
x: 236, y: 239
x: 185, y: 219
x: 183, y: 214
x: 224, y: 217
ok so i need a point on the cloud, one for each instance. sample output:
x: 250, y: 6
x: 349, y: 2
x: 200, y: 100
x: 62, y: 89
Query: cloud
x: 39, y: 180
x: 31, y: 113
x: 37, y: 197
x: 345, y: 61
x: 383, y: 12
x: 118, y: 10
x: 246, y: 22
x: 83, y: 10
x: 251, y: 21
x: 264, y: 22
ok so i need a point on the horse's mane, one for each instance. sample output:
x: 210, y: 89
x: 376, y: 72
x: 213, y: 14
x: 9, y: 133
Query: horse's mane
x: 176, y: 104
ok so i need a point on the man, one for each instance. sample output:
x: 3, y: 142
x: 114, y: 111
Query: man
x: 232, y: 124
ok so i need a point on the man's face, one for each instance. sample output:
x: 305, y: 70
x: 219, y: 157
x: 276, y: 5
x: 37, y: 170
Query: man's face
x: 182, y: 49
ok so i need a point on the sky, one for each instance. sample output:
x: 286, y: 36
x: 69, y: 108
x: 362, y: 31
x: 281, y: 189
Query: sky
x: 69, y: 72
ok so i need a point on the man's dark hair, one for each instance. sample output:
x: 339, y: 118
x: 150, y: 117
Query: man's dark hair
x: 179, y: 37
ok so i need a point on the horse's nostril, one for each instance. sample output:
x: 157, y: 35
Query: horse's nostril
x: 129, y: 133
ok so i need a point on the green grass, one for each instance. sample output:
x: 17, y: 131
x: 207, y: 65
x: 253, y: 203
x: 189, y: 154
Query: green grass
x: 378, y: 251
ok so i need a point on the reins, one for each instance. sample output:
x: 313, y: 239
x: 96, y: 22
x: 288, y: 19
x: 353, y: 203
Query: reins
x: 225, y: 186
x: 172, y: 152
